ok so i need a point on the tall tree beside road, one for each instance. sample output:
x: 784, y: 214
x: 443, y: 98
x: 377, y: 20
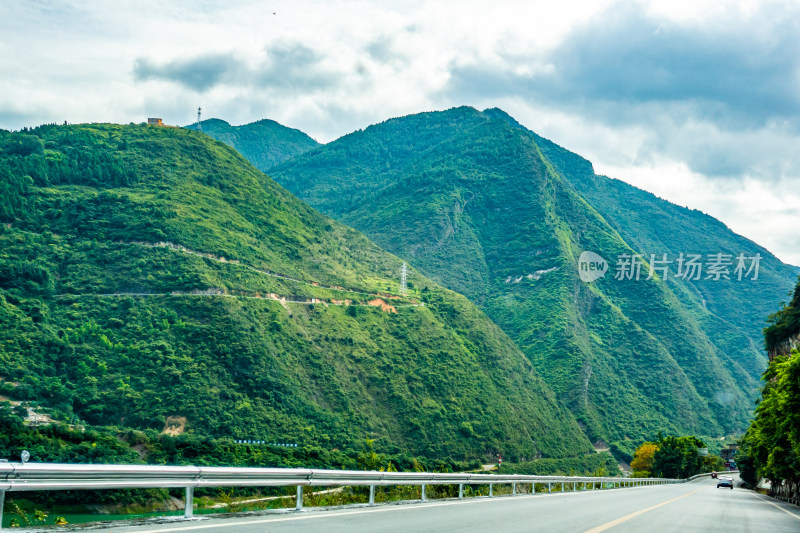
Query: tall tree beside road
x: 771, y: 446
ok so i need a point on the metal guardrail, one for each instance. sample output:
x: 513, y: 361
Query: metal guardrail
x: 56, y: 476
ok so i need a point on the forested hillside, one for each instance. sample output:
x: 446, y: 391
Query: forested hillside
x: 653, y: 225
x: 476, y: 203
x: 151, y: 278
x: 266, y: 142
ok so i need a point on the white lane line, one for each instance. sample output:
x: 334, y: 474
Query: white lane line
x: 793, y: 515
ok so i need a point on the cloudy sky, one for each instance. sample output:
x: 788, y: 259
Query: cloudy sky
x: 695, y: 101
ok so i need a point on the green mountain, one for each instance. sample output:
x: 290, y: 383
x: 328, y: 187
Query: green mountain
x: 652, y: 225
x: 150, y: 277
x: 495, y: 212
x: 265, y: 142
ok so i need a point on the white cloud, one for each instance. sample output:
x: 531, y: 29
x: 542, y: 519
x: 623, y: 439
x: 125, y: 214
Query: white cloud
x: 766, y: 213
x: 702, y: 92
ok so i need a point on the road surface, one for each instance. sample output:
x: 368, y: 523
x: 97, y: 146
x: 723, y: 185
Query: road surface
x: 689, y: 507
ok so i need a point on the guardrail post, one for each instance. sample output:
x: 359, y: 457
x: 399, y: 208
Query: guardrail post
x: 372, y: 494
x: 299, y: 505
x: 188, y: 508
x: 491, y: 490
x: 2, y: 502
x: 574, y: 487
x: 424, y: 496
x: 513, y: 489
x: 460, y: 491
x: 549, y: 488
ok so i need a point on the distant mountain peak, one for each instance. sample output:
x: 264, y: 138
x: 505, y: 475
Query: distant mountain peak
x: 211, y: 122
x: 266, y: 143
x: 497, y: 113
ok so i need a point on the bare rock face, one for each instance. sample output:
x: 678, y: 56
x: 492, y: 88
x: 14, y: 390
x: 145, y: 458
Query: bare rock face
x: 785, y: 347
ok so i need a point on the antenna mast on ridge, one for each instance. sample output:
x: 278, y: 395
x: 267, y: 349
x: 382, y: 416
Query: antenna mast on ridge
x: 403, y: 278
x: 199, y: 127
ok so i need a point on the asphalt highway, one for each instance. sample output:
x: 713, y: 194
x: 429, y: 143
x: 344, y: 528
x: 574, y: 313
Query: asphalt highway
x: 689, y: 507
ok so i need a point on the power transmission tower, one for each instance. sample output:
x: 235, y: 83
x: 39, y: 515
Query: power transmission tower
x: 199, y: 127
x: 403, y: 279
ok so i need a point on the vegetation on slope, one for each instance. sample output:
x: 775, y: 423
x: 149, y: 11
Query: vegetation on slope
x: 138, y: 285
x: 471, y: 198
x: 783, y: 332
x: 731, y: 312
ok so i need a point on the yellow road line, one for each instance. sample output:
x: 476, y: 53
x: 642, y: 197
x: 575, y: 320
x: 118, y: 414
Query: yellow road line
x: 625, y: 518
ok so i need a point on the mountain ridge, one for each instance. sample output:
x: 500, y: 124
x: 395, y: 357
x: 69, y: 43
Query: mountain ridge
x: 439, y: 205
x: 268, y: 142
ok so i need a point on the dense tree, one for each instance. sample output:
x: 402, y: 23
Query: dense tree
x: 771, y: 447
x: 678, y: 457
